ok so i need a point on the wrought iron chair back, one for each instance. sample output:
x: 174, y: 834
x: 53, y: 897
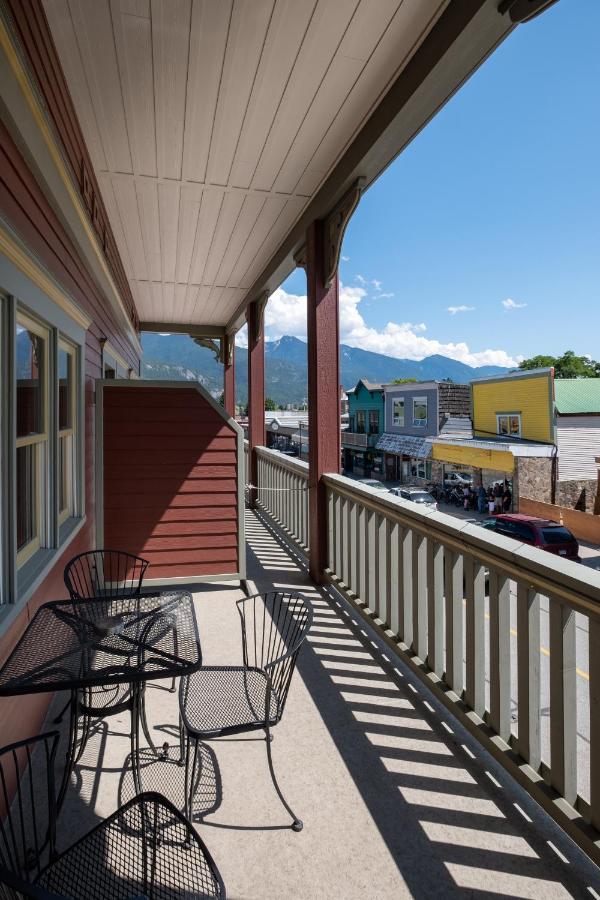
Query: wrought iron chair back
x: 104, y: 573
x: 28, y: 807
x: 274, y: 627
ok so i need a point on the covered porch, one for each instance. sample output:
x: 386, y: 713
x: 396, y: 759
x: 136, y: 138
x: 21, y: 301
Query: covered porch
x: 397, y: 798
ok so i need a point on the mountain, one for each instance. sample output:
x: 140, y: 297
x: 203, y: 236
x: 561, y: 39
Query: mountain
x: 177, y: 356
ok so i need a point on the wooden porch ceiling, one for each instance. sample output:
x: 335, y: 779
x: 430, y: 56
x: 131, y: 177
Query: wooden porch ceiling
x: 219, y: 130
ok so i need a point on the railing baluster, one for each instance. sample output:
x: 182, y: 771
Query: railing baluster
x: 435, y: 607
x: 475, y: 635
x: 594, y: 672
x: 395, y: 536
x: 500, y: 665
x: 563, y: 700
x: 331, y: 530
x: 528, y: 674
x: 371, y: 598
x: 383, y: 580
x: 363, y: 537
x: 353, y: 585
x: 419, y: 594
x: 454, y: 593
x: 406, y: 578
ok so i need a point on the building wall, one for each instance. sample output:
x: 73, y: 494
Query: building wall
x: 31, y: 218
x: 363, y: 399
x: 532, y: 478
x: 409, y: 392
x: 453, y: 400
x: 530, y: 396
x: 578, y: 441
x: 578, y: 494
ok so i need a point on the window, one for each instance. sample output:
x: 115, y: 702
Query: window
x: 420, y: 412
x: 398, y: 412
x: 31, y: 352
x: 373, y: 421
x: 420, y: 468
x: 508, y: 424
x: 360, y: 421
x: 67, y: 418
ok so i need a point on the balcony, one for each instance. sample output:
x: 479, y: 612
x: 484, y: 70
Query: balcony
x: 398, y: 799
x: 355, y: 439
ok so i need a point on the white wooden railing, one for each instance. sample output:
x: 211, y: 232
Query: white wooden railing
x: 502, y: 632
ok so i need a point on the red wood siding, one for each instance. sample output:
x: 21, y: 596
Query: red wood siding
x: 33, y: 33
x: 170, y: 481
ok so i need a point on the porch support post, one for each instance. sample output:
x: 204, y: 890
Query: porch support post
x: 229, y: 374
x: 322, y: 317
x: 256, y: 387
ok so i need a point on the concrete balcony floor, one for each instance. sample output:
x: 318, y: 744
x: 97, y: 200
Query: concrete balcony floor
x: 397, y: 800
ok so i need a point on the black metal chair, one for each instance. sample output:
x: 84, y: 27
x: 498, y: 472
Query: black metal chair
x: 217, y: 701
x: 110, y: 574
x: 147, y: 848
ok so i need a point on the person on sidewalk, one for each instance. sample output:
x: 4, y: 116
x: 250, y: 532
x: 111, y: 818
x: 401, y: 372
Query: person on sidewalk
x: 481, y: 499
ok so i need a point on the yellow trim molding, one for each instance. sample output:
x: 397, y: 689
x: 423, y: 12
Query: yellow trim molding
x: 478, y: 457
x: 23, y: 80
x: 36, y: 273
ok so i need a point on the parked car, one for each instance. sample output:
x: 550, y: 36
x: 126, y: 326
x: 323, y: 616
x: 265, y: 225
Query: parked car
x: 543, y: 533
x: 457, y: 479
x: 373, y: 483
x: 416, y: 495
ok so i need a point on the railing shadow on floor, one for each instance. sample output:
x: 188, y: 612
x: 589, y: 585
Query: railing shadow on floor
x: 446, y: 819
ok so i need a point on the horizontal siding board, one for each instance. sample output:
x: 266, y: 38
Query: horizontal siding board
x: 166, y: 495
x: 578, y: 440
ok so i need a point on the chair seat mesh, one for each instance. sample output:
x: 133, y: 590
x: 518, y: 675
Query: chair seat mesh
x: 219, y: 698
x: 145, y: 850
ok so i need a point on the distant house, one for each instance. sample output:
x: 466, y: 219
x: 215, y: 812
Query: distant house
x: 415, y: 413
x: 365, y: 425
x: 577, y: 402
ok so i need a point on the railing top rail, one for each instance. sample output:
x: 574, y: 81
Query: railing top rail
x: 297, y: 466
x: 548, y: 574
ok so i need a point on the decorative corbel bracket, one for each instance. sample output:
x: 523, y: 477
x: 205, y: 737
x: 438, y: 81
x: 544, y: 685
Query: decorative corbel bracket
x: 300, y: 257
x: 258, y: 306
x: 227, y: 347
x: 335, y: 227
x: 210, y: 344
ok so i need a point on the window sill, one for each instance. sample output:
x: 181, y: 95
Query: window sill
x: 31, y: 575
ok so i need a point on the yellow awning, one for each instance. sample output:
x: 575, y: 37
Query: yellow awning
x: 498, y: 460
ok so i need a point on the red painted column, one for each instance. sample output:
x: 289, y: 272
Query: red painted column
x: 229, y: 374
x: 256, y: 389
x: 322, y: 319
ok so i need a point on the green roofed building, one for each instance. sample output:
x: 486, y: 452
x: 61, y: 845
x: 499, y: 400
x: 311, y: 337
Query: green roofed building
x: 577, y: 403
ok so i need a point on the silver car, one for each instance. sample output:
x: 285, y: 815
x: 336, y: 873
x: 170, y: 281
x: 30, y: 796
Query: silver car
x: 415, y: 495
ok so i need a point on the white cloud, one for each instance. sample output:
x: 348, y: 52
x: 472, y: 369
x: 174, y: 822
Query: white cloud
x: 286, y: 314
x: 384, y: 295
x: 458, y: 309
x: 345, y: 259
x: 376, y: 284
x: 512, y: 304
x: 241, y: 337
x: 360, y: 279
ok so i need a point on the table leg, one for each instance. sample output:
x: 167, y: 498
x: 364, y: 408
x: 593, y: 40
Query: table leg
x: 71, y: 752
x: 136, y: 702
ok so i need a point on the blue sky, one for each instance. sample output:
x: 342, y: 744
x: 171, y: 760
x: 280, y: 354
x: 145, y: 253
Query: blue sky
x: 497, y: 199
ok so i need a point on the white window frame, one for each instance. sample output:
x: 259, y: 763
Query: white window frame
x: 398, y: 401
x: 68, y: 436
x: 420, y: 423
x: 508, y: 416
x: 40, y: 441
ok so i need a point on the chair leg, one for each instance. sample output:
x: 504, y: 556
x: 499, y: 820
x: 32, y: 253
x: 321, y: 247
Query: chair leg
x: 144, y: 721
x: 297, y: 824
x: 190, y: 776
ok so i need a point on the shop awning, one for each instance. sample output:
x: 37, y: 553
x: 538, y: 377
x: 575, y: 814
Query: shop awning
x: 406, y: 444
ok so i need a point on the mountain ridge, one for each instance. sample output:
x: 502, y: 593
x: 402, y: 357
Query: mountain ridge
x: 177, y: 356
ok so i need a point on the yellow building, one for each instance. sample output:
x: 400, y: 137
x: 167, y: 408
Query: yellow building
x: 520, y: 405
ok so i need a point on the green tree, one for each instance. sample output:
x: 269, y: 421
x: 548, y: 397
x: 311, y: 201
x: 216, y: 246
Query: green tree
x: 270, y: 405
x: 403, y: 381
x: 569, y: 365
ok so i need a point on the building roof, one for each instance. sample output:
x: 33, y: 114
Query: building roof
x: 406, y: 444
x: 369, y: 385
x: 577, y: 395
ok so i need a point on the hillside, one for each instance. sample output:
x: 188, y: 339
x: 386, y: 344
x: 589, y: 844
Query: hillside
x: 177, y: 356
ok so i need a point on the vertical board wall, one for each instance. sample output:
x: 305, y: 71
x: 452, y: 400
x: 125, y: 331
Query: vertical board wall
x: 171, y: 480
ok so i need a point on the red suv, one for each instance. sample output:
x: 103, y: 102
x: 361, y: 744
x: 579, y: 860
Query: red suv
x: 542, y: 533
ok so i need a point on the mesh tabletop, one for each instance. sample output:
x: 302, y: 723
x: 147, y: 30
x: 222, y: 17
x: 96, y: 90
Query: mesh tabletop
x: 84, y: 643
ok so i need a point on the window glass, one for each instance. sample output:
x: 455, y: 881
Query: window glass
x: 523, y: 531
x: 373, y: 421
x: 509, y: 425
x: 30, y: 352
x: 360, y: 421
x: 420, y: 411
x: 398, y: 412
x: 27, y: 488
x: 558, y: 535
x: 65, y: 388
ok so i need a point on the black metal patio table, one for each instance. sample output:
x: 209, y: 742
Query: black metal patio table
x: 77, y: 645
